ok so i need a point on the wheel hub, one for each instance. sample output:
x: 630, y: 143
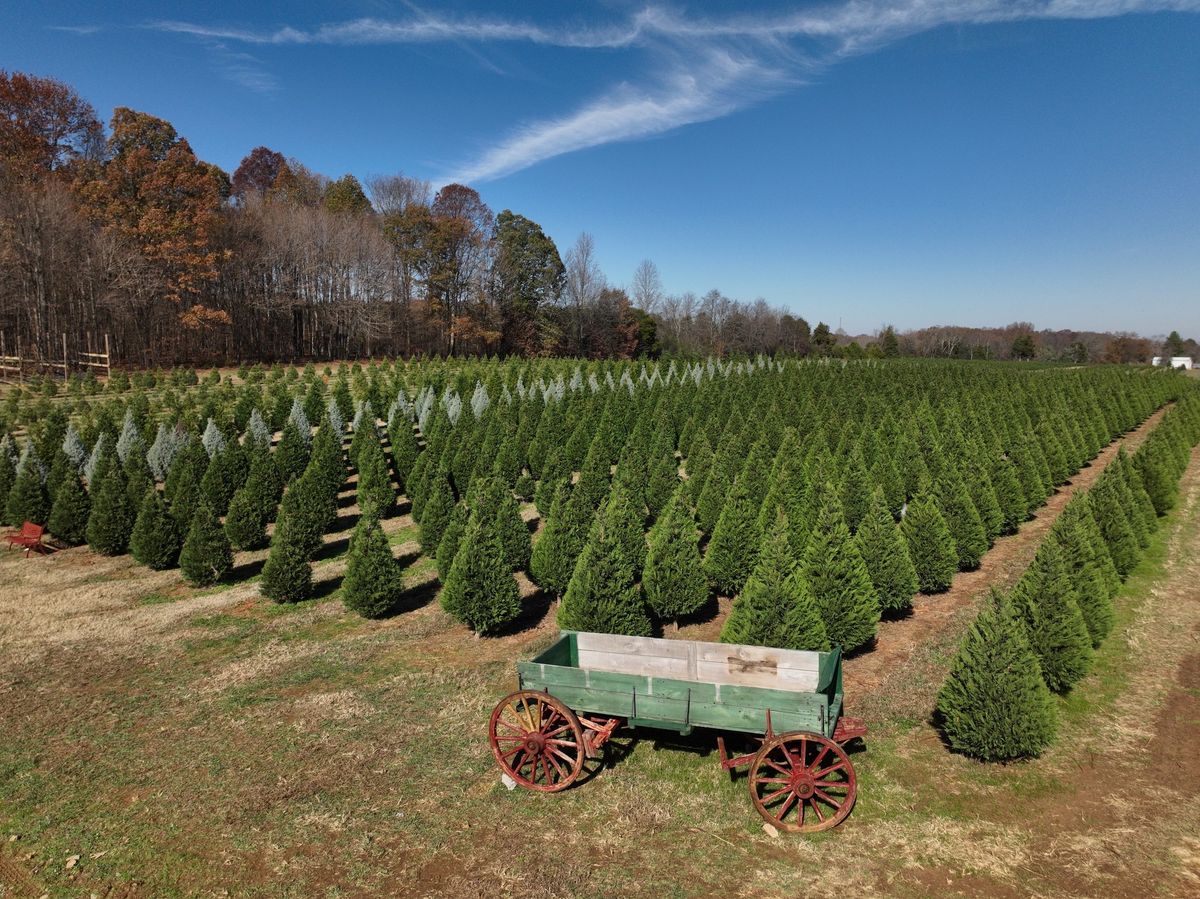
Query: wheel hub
x: 802, y: 784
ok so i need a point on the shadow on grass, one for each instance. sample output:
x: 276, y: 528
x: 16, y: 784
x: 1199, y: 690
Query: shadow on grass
x: 326, y: 587
x: 404, y: 560
x: 533, y: 609
x: 245, y: 571
x: 414, y: 598
x: 863, y: 650
x: 706, y: 612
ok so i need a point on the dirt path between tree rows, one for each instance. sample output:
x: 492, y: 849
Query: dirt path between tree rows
x: 868, y: 671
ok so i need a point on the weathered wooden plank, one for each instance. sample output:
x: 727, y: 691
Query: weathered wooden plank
x: 761, y: 656
x: 756, y: 676
x: 641, y: 646
x: 652, y: 666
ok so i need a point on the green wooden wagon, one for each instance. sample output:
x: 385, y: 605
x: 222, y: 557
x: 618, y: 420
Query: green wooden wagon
x: 572, y: 697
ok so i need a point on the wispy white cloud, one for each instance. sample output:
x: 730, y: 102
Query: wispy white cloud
x: 243, y: 69
x: 81, y: 30
x: 699, y: 68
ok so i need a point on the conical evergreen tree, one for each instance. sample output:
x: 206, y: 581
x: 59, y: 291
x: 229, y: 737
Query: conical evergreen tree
x: 1014, y: 507
x: 28, y: 499
x: 373, y: 583
x: 554, y: 472
x: 558, y: 547
x: 962, y: 518
x: 1087, y: 575
x: 302, y: 515
x: 839, y: 580
x: 451, y: 539
x: 292, y: 453
x: 885, y: 553
x: 8, y: 476
x: 699, y: 464
x: 226, y: 472
x: 731, y: 552
x: 155, y: 539
x: 480, y: 590
x: 405, y: 449
x: 438, y: 507
x: 856, y: 491
x: 137, y: 477
x: 930, y: 546
x: 662, y: 477
x: 69, y: 515
x: 206, y: 556
x: 287, y: 575
x: 1046, y: 598
x: 674, y: 579
x: 994, y: 704
x: 327, y: 460
x: 629, y: 527
x: 983, y: 496
x: 603, y: 594
x: 510, y: 527
x: 112, y: 514
x: 182, y: 487
x: 246, y: 522
x: 1160, y: 485
x: 1114, y: 526
x: 376, y: 496
x: 776, y: 607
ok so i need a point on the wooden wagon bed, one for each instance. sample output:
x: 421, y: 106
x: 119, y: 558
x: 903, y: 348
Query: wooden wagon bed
x: 574, y: 695
x: 681, y: 684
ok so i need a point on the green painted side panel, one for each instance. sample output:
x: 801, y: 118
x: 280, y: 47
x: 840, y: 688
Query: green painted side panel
x: 676, y: 704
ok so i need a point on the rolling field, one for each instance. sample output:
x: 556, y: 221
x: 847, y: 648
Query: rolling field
x: 162, y: 739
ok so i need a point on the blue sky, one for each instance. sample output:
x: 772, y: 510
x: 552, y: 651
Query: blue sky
x: 916, y: 162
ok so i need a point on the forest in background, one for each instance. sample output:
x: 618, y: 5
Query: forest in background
x: 125, y: 231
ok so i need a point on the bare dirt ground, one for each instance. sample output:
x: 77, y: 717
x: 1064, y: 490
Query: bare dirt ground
x: 157, y: 741
x: 1001, y: 567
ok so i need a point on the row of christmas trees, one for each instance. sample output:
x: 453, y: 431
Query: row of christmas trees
x: 807, y: 451
x: 609, y: 465
x: 998, y: 702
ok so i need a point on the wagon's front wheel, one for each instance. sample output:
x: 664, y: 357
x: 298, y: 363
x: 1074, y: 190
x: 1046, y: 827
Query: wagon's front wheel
x: 537, y: 741
x: 802, y: 782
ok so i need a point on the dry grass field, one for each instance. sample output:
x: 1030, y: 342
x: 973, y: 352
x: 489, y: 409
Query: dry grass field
x: 161, y: 741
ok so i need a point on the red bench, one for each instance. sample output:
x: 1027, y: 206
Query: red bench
x: 29, y: 537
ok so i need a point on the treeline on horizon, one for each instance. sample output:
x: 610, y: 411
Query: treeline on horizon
x: 126, y: 232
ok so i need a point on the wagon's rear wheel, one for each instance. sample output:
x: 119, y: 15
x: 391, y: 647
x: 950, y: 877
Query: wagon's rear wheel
x: 802, y: 782
x: 537, y: 741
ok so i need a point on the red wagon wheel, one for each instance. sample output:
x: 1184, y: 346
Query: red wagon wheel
x: 537, y: 741
x: 802, y: 782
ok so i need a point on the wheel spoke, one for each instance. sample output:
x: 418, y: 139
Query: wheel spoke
x: 770, y: 761
x: 570, y: 743
x: 782, y: 811
x: 837, y: 806
x: 832, y: 784
x: 513, y: 751
x: 771, y: 797
x: 516, y: 729
x: 816, y: 808
x: 562, y: 755
x: 774, y: 780
x: 562, y: 775
x: 836, y: 766
x: 510, y: 738
x: 820, y: 755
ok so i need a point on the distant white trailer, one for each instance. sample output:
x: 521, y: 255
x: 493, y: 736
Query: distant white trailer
x: 1176, y: 362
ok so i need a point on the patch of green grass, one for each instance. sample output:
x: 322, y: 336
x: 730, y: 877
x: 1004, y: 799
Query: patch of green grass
x: 157, y: 599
